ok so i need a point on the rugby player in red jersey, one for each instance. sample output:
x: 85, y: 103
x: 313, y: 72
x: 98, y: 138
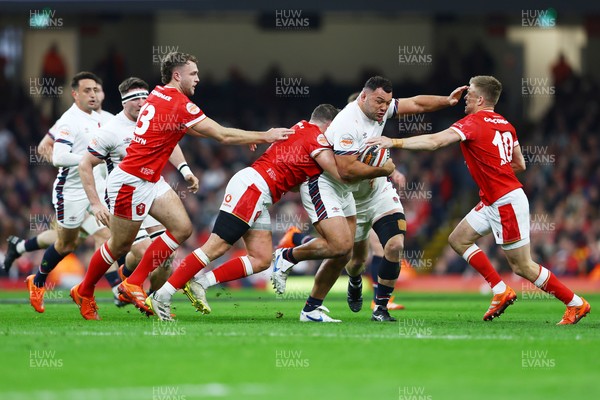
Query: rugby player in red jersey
x: 493, y: 155
x: 167, y: 115
x: 244, y: 213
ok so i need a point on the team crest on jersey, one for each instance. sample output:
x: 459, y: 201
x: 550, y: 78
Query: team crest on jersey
x: 322, y: 140
x: 346, y: 142
x: 192, y: 108
x: 140, y: 208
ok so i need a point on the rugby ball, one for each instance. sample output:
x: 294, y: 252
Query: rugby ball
x: 374, y: 156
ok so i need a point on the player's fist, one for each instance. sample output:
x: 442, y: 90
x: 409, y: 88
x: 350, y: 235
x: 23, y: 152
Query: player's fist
x: 389, y: 167
x: 194, y: 183
x: 275, y: 134
x: 456, y: 95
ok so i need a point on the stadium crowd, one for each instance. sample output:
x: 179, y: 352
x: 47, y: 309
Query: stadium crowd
x: 561, y: 152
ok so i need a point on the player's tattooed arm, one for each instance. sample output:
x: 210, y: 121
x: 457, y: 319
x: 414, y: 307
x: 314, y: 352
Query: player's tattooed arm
x: 427, y: 103
x: 353, y: 170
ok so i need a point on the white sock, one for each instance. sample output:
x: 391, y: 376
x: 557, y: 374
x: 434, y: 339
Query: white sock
x: 165, y: 293
x: 206, y: 279
x: 575, y: 301
x: 21, y: 247
x: 499, y: 288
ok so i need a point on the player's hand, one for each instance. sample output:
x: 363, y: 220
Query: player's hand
x: 275, y: 134
x: 398, y: 179
x: 383, y: 142
x: 389, y: 166
x: 194, y: 183
x: 101, y: 214
x: 252, y: 147
x: 456, y: 95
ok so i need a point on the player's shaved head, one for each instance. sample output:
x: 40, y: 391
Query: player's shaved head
x: 488, y: 87
x: 376, y: 82
x: 324, y: 113
x: 174, y: 60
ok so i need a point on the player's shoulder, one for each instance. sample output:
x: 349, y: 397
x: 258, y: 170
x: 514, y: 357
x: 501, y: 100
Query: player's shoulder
x: 346, y: 120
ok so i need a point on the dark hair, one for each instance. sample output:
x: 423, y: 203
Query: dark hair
x: 324, y: 113
x: 488, y: 87
x: 376, y: 82
x: 84, y: 75
x: 132, y: 83
x: 173, y: 60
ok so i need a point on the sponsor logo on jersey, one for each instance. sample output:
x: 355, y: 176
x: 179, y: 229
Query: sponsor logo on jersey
x: 346, y: 142
x: 146, y: 171
x: 322, y: 140
x: 192, y: 108
x: 227, y: 198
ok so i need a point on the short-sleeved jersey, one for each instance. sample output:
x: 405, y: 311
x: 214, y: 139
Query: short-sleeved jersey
x: 162, y: 122
x: 111, y: 140
x: 74, y: 128
x: 349, y: 131
x: 290, y: 162
x: 487, y: 143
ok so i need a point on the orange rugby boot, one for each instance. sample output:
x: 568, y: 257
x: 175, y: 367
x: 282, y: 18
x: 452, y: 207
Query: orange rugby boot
x: 500, y: 302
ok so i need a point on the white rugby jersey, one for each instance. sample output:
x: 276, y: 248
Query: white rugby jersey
x: 348, y: 133
x: 74, y: 128
x: 111, y: 140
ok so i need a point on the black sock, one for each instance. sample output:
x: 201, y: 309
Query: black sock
x: 49, y: 261
x: 32, y: 245
x: 375, y: 263
x: 289, y: 256
x: 121, y: 261
x: 301, y: 238
x: 312, y: 304
x: 112, y: 278
x: 355, y: 280
x: 126, y: 271
x: 383, y: 295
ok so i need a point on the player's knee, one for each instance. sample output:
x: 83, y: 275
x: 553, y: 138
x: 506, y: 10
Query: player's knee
x: 341, y: 248
x: 182, y: 232
x: 394, y: 247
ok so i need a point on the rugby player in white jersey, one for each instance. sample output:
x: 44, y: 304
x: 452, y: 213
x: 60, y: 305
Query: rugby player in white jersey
x: 377, y: 204
x: 73, y: 133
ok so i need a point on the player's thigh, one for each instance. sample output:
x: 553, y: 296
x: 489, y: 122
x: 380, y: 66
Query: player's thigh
x: 259, y: 244
x: 170, y: 212
x: 123, y: 233
x: 472, y: 227
x: 374, y: 244
x: 337, y: 232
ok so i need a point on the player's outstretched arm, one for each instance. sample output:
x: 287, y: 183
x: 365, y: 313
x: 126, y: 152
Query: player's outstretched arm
x: 86, y: 166
x: 518, y: 161
x: 427, y: 103
x: 352, y: 170
x: 212, y: 129
x: 429, y: 142
x: 178, y: 160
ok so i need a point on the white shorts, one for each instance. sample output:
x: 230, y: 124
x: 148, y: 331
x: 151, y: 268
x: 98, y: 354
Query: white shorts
x: 130, y: 197
x: 372, y: 205
x: 321, y: 200
x: 70, y: 213
x: 248, y: 197
x: 90, y: 226
x: 507, y: 218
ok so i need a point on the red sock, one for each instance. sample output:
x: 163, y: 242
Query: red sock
x: 99, y: 264
x: 549, y: 283
x: 161, y: 248
x: 233, y: 269
x: 478, y: 260
x: 189, y: 267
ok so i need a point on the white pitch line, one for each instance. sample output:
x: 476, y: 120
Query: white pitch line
x: 144, y: 392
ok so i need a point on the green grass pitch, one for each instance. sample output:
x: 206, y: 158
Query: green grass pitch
x: 252, y: 346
